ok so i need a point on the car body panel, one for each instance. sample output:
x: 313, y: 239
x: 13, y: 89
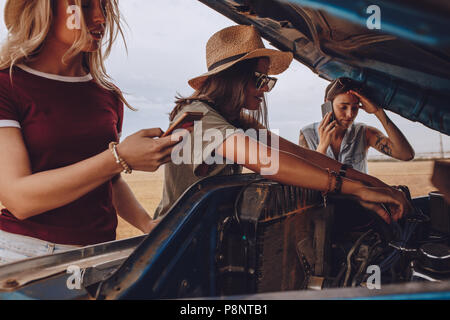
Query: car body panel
x: 179, y: 258
x: 403, y: 73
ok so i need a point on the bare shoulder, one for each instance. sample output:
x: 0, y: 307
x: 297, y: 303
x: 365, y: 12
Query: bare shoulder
x: 302, y: 140
x: 371, y: 130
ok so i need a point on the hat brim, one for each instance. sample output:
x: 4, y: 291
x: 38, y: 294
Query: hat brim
x: 279, y: 62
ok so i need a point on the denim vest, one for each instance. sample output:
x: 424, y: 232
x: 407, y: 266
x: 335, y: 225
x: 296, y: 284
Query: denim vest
x: 353, y: 147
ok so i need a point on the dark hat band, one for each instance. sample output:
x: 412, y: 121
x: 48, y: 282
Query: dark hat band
x: 226, y: 60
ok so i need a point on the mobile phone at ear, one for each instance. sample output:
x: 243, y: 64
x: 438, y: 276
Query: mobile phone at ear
x: 328, y: 107
x: 183, y: 122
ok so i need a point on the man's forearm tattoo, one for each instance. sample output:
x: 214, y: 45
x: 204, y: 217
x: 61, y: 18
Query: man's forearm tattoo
x: 383, y: 145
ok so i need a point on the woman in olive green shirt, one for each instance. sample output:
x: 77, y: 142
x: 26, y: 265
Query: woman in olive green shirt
x: 231, y: 96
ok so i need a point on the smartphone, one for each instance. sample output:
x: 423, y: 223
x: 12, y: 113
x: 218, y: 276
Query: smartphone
x: 328, y: 107
x: 183, y: 122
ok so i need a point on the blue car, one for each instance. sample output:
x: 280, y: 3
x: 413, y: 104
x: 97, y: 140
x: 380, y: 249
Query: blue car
x: 246, y: 237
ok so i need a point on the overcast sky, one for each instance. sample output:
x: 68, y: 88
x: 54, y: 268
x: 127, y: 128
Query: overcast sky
x: 166, y: 47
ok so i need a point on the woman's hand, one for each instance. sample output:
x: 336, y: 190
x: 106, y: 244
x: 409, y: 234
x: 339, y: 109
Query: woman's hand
x: 145, y: 153
x: 380, y: 199
x: 326, y: 130
x: 367, y: 105
x: 151, y: 225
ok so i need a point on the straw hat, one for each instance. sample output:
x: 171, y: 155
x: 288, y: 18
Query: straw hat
x: 237, y: 43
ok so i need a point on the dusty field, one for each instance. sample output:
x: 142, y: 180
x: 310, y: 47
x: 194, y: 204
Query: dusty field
x: 416, y: 175
x: 147, y: 187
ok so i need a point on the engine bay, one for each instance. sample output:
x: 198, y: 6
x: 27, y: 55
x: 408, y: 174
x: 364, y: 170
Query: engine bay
x: 412, y: 249
x: 278, y: 240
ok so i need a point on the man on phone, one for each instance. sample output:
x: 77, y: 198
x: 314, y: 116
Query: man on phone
x: 338, y: 137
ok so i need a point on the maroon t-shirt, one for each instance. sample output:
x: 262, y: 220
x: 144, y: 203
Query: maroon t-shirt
x: 63, y: 120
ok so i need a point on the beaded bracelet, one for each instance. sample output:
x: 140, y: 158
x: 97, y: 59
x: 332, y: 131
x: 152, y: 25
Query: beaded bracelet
x: 330, y: 181
x: 126, y: 168
x: 325, y: 193
x: 337, y: 182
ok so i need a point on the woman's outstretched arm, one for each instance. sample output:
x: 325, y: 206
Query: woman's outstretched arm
x: 325, y: 161
x: 294, y: 170
x: 27, y: 194
x: 318, y: 158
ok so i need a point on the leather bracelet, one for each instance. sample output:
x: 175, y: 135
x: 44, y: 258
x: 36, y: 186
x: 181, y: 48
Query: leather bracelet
x: 338, y: 185
x: 325, y: 193
x: 126, y: 168
x: 343, y: 170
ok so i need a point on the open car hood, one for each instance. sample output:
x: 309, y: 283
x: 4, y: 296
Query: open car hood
x: 404, y: 66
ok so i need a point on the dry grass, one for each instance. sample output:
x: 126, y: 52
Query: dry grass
x: 147, y: 187
x: 416, y: 175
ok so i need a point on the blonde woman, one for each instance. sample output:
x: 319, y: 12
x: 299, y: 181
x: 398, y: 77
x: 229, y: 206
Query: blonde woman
x: 231, y: 96
x: 60, y: 121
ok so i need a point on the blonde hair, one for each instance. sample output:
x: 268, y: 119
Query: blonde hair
x: 225, y: 92
x: 28, y: 31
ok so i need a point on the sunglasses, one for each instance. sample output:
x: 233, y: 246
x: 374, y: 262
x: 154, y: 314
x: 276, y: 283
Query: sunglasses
x: 345, y: 84
x: 261, y: 80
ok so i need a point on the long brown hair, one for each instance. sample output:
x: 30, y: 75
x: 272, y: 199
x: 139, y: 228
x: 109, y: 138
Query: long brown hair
x: 225, y: 92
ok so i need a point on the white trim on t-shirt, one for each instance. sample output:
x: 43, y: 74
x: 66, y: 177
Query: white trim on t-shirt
x: 56, y: 77
x: 9, y: 123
